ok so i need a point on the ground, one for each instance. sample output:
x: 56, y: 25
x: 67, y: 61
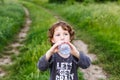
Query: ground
x: 94, y: 72
x: 13, y: 47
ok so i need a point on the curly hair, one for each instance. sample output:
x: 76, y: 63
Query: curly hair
x: 64, y: 26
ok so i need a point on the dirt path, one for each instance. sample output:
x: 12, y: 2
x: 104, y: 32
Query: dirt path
x: 94, y: 72
x: 13, y: 48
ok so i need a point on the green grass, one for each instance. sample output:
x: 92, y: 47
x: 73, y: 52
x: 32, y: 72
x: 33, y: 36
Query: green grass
x: 11, y: 20
x: 37, y: 44
x: 98, y: 25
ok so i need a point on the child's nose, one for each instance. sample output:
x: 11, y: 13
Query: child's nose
x: 62, y: 37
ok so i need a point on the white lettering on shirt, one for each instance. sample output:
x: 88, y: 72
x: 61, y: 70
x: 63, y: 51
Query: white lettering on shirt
x: 64, y: 71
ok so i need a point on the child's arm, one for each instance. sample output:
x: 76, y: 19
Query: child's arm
x: 53, y: 50
x: 43, y: 64
x: 45, y: 61
x: 82, y: 60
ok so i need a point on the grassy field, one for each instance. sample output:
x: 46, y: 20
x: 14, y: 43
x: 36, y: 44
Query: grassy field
x: 11, y: 20
x: 25, y: 67
x: 96, y: 24
x: 36, y: 45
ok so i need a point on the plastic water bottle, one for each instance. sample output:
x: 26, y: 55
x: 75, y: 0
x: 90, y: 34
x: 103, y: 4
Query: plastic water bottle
x: 64, y: 49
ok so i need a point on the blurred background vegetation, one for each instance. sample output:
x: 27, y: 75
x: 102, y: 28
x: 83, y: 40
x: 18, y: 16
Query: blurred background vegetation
x: 11, y: 20
x: 96, y: 22
x: 63, y: 1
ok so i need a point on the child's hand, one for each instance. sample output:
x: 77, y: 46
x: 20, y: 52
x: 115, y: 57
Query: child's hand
x: 74, y: 50
x: 53, y: 49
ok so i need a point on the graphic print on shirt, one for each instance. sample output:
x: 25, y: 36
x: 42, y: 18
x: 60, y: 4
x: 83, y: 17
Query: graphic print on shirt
x: 64, y: 71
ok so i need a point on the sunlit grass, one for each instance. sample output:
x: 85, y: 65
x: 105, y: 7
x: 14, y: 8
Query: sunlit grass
x: 98, y: 25
x: 11, y: 20
x: 36, y: 45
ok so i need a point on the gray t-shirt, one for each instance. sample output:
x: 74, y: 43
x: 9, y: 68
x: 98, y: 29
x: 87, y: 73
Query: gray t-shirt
x: 63, y: 68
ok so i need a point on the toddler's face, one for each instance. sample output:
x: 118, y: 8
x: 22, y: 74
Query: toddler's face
x: 60, y: 35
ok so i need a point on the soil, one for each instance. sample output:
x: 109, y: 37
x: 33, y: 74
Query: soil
x: 13, y: 48
x: 94, y: 72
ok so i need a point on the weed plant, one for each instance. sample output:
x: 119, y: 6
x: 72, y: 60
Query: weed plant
x: 98, y: 25
x: 11, y: 20
x: 25, y: 67
x: 36, y: 45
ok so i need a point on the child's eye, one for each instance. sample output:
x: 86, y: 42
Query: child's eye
x: 57, y: 34
x: 65, y: 34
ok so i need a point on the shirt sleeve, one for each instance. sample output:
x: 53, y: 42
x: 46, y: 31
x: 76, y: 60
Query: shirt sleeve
x: 84, y: 61
x: 43, y: 64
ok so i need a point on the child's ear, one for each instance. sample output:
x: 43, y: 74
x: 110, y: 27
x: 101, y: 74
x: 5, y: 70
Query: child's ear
x: 70, y: 40
x: 52, y: 40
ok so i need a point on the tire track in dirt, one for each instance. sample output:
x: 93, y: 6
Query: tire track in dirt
x: 13, y: 48
x: 94, y: 72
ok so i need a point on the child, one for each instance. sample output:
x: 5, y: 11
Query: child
x: 62, y: 67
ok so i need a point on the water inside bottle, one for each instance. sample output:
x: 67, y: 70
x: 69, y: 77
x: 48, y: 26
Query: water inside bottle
x: 64, y: 49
